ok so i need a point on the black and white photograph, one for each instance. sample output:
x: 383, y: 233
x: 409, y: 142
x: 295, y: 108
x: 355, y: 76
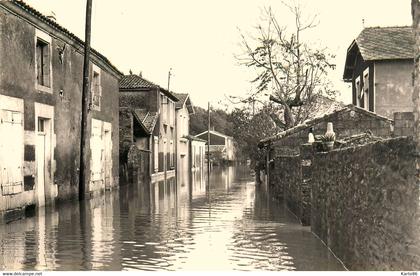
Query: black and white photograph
x: 209, y: 136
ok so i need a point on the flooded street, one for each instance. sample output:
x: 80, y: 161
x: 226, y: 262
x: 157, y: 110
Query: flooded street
x: 232, y: 225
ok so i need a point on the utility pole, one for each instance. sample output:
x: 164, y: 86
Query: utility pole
x: 208, y: 146
x: 85, y: 102
x: 169, y: 77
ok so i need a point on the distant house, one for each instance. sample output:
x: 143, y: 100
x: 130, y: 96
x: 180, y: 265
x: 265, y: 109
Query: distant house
x: 147, y: 120
x: 221, y: 146
x: 183, y: 109
x: 379, y: 65
x: 40, y: 112
x: 197, y: 153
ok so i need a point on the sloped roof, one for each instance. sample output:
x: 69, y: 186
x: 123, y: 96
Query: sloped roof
x: 184, y: 98
x: 214, y: 133
x: 315, y: 121
x: 193, y: 138
x: 135, y: 82
x: 146, y: 119
x: 30, y: 10
x: 381, y: 43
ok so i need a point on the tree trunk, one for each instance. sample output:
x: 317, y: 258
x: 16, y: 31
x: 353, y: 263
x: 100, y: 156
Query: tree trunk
x: 288, y: 117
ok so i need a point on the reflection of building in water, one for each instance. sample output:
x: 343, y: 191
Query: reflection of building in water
x: 12, y: 246
x: 30, y: 243
x: 104, y: 241
x: 222, y: 177
x: 46, y: 239
x: 198, y: 184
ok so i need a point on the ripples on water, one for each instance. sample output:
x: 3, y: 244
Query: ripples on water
x: 164, y: 226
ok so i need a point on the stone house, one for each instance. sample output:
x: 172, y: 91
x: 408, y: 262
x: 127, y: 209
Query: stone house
x: 147, y: 120
x: 221, y: 145
x: 183, y: 109
x: 379, y: 66
x: 40, y: 112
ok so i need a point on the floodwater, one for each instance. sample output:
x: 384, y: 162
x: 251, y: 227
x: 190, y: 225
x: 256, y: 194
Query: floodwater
x: 230, y: 225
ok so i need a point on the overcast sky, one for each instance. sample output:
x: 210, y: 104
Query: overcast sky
x: 198, y: 39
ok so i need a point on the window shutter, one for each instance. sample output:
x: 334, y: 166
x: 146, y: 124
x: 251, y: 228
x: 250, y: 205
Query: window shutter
x: 46, y: 64
x: 38, y: 57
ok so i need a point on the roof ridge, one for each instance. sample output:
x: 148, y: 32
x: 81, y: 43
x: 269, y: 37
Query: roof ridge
x: 387, y: 27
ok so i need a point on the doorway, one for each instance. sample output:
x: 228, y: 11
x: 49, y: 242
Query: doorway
x: 42, y: 152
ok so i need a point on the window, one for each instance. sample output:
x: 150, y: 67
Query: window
x: 163, y: 111
x: 41, y: 124
x: 172, y: 153
x: 43, y: 63
x: 366, y: 89
x: 156, y: 153
x: 11, y: 146
x: 357, y: 91
x: 43, y: 71
x: 96, y: 89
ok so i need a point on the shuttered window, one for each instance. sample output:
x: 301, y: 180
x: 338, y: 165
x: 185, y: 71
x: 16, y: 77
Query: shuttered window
x: 11, y: 152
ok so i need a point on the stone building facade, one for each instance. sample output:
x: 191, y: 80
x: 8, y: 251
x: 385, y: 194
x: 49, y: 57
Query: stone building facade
x: 183, y: 110
x: 40, y: 111
x: 148, y: 120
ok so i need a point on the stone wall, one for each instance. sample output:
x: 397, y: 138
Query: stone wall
x: 364, y: 205
x: 287, y: 184
x: 347, y: 122
x: 403, y: 124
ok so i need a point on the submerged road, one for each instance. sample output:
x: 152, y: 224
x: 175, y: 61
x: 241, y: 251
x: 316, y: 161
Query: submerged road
x: 230, y: 225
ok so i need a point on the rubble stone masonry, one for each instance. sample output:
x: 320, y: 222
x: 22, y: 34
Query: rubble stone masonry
x: 364, y: 204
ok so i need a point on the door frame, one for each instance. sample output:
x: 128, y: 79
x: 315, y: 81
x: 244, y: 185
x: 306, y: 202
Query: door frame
x: 45, y: 113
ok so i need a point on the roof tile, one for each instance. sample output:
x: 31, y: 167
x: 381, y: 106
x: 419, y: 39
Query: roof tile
x: 381, y: 43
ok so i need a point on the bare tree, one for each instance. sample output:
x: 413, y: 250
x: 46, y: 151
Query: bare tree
x: 293, y: 72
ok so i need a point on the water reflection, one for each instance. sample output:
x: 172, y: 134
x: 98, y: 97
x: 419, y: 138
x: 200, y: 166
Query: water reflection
x: 178, y: 224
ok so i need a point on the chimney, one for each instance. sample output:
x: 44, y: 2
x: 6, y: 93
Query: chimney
x: 52, y: 16
x: 141, y: 74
